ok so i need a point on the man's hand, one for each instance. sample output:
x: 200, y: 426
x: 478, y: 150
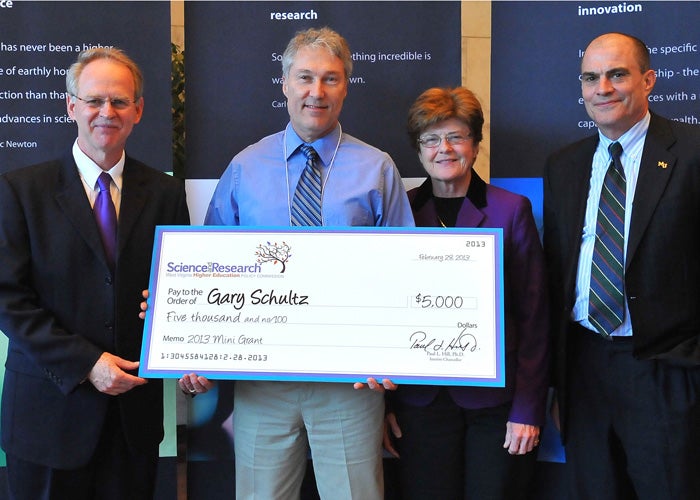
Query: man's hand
x: 194, y: 384
x: 373, y: 385
x: 109, y: 375
x: 144, y: 304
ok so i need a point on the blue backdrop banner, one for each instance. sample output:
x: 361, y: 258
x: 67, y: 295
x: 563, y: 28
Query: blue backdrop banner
x: 40, y: 40
x: 536, y: 61
x: 233, y: 64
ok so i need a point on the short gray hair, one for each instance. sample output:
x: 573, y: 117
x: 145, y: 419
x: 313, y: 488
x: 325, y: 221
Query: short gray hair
x: 322, y: 37
x: 111, y: 53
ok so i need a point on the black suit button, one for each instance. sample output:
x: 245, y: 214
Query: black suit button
x: 108, y: 280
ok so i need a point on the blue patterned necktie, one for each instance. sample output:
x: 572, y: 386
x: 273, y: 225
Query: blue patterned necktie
x: 306, y: 204
x: 106, y: 217
x: 606, y: 302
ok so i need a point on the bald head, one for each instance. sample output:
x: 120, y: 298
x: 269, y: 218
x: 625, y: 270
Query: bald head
x: 616, y: 82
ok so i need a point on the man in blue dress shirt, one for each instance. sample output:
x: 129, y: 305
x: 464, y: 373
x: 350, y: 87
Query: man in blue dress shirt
x: 275, y: 423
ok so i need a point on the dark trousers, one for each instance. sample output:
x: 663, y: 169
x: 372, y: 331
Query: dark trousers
x: 451, y: 453
x: 114, y: 472
x: 633, y: 425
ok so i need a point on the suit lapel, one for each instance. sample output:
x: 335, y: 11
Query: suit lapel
x: 469, y: 215
x: 70, y: 196
x: 655, y: 170
x: 574, y: 186
x: 134, y: 199
x: 471, y: 212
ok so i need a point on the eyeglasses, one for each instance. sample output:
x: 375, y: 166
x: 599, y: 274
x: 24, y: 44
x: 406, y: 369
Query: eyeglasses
x: 434, y: 140
x: 115, y: 102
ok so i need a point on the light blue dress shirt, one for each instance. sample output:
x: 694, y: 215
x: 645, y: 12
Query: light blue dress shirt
x: 632, y: 143
x: 361, y: 185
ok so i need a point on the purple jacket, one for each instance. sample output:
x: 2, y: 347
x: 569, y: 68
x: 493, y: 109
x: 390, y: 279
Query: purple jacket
x: 525, y: 302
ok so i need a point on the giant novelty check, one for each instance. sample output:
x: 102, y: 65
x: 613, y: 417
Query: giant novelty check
x: 419, y: 305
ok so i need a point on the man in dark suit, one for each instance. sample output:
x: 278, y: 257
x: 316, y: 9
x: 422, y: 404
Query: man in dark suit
x: 77, y: 422
x: 627, y: 386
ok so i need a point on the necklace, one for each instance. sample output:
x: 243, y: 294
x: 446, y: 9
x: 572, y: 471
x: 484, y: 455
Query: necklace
x: 323, y: 183
x: 447, y: 209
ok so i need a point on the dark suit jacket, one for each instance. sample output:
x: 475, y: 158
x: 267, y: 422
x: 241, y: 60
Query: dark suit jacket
x: 525, y: 301
x: 662, y: 274
x: 61, y: 308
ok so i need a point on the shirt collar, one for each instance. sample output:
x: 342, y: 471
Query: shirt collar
x: 90, y: 171
x: 630, y: 140
x: 325, y: 146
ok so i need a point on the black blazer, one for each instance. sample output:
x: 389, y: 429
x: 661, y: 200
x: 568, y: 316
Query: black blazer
x: 61, y: 307
x: 662, y: 274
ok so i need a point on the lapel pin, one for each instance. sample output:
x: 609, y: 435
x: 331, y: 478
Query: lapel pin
x: 662, y: 164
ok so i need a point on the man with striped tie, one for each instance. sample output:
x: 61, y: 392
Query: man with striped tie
x: 309, y: 174
x: 622, y: 239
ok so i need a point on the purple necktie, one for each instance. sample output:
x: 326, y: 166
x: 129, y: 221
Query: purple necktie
x: 106, y: 217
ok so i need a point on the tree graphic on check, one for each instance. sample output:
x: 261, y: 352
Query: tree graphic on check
x: 274, y: 252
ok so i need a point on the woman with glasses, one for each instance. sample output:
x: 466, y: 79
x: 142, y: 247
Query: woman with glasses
x: 466, y: 442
